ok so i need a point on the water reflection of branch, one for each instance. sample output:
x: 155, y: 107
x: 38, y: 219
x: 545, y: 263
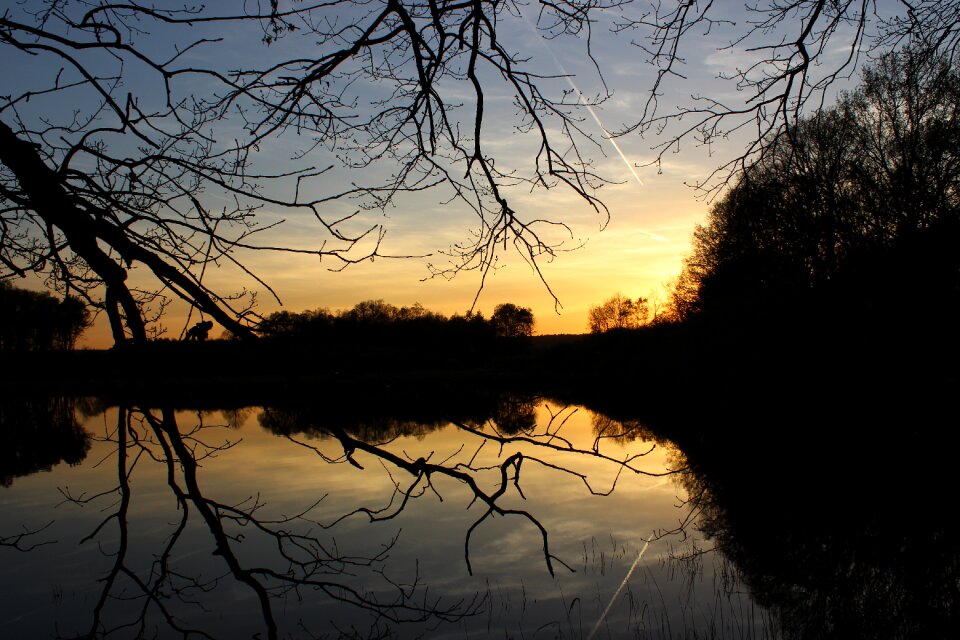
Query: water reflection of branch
x: 23, y: 541
x: 504, y: 432
x: 568, y: 447
x: 306, y: 562
x: 422, y: 471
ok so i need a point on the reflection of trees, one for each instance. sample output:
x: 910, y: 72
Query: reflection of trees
x: 514, y: 414
x: 385, y: 419
x: 625, y: 430
x: 878, y: 578
x: 321, y: 424
x: 839, y: 575
x: 38, y: 434
x: 824, y: 511
x: 237, y: 416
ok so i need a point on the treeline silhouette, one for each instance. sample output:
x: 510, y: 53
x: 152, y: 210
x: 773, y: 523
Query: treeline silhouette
x: 618, y: 312
x: 850, y: 218
x: 398, y: 350
x: 32, y: 320
x: 834, y: 254
x: 833, y: 257
x: 376, y: 323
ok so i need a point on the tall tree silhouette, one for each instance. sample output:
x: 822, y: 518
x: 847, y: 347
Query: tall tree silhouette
x: 512, y: 321
x: 856, y: 202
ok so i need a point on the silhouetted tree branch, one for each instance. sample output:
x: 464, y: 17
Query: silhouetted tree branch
x: 155, y: 166
x: 787, y: 58
x: 24, y: 540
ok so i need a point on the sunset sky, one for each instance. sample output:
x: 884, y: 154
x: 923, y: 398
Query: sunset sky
x: 637, y: 254
x: 652, y: 214
x: 653, y: 210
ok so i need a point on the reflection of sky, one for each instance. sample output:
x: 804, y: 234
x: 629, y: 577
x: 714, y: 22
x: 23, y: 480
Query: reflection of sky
x: 599, y: 537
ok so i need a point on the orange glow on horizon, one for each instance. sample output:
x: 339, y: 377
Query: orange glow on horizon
x: 638, y: 254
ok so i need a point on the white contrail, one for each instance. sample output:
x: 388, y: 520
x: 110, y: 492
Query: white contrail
x: 606, y: 134
x: 596, y: 119
x: 623, y: 584
x: 651, y: 234
x: 583, y: 100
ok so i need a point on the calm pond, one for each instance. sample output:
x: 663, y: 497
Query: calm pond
x: 526, y: 518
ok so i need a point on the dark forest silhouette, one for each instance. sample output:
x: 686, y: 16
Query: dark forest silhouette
x: 833, y: 255
x: 32, y: 320
x: 854, y: 214
x: 412, y: 328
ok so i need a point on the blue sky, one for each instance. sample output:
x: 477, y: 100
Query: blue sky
x: 653, y: 210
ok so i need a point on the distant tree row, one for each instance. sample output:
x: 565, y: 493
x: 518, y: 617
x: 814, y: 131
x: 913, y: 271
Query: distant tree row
x: 379, y: 320
x: 857, y: 207
x: 33, y: 321
x: 618, y: 312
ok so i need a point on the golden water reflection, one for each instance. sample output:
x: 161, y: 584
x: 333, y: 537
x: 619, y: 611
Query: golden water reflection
x: 544, y: 520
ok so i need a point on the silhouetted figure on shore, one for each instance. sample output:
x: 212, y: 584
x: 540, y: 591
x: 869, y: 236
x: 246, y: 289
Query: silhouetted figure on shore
x: 199, y: 331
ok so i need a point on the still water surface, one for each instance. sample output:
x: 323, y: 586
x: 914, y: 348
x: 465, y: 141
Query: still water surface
x: 544, y: 521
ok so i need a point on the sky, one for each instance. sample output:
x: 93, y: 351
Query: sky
x: 637, y: 252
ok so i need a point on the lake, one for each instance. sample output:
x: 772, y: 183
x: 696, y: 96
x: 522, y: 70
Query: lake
x: 507, y: 516
x: 261, y: 526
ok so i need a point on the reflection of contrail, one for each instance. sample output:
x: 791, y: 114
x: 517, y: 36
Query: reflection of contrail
x: 623, y: 584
